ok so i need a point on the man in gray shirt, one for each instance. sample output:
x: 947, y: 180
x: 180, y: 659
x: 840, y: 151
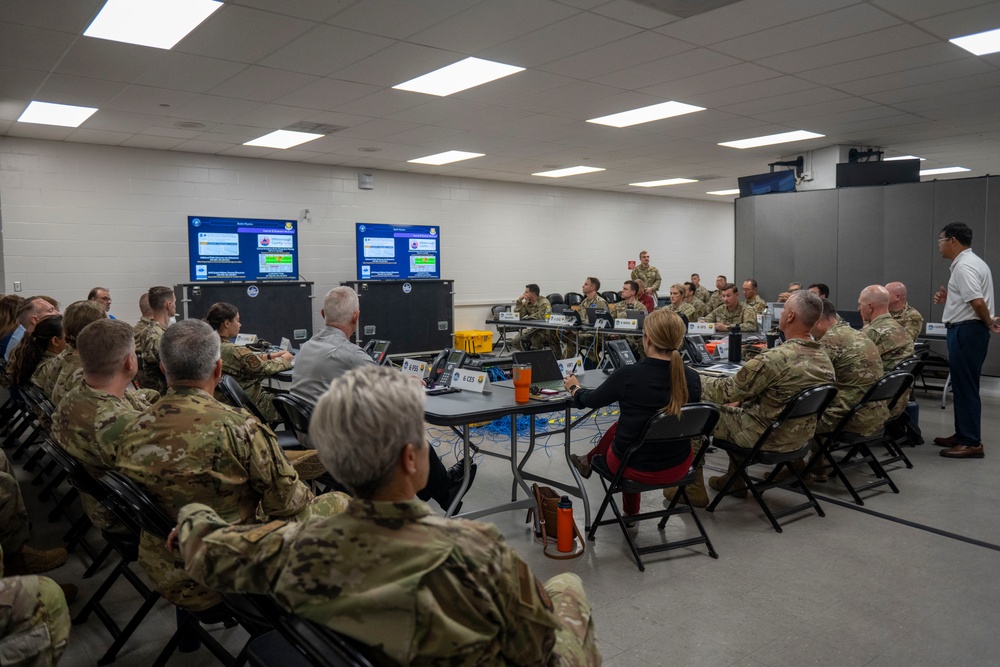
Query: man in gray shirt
x: 329, y: 354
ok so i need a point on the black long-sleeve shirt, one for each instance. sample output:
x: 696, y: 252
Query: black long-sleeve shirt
x: 641, y: 390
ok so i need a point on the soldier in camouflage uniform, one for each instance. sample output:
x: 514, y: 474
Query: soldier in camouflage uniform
x: 533, y: 306
x: 188, y: 448
x: 591, y: 299
x: 679, y: 305
x: 700, y: 292
x: 649, y: 275
x: 892, y: 341
x: 715, y: 300
x: 907, y: 316
x: 732, y: 312
x: 34, y: 621
x: 619, y: 309
x: 147, y: 344
x: 146, y: 313
x: 14, y: 529
x: 857, y: 365
x: 699, y: 307
x: 90, y: 419
x: 247, y: 366
x: 452, y: 591
x: 766, y: 384
x: 752, y: 298
x: 70, y: 372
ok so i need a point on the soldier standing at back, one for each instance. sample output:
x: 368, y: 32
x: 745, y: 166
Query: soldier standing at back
x: 163, y: 305
x: 649, y: 275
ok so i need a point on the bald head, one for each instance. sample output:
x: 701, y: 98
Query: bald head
x: 897, y: 296
x: 874, y: 301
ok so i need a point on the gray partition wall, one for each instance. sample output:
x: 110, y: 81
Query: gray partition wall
x: 849, y: 238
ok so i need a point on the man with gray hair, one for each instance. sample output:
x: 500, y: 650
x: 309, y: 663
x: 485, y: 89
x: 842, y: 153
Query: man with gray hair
x: 452, y: 591
x: 329, y: 354
x: 190, y: 448
x: 766, y: 383
x: 29, y: 314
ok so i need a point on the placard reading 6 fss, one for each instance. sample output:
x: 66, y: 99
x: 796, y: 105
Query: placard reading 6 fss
x: 398, y: 252
x: 242, y: 249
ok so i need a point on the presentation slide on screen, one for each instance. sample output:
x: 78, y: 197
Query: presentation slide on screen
x: 235, y: 249
x: 398, y: 252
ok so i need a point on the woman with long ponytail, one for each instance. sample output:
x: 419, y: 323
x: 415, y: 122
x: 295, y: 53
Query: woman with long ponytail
x: 659, y: 382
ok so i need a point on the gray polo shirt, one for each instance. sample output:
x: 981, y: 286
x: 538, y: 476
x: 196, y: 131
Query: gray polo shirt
x: 323, y: 358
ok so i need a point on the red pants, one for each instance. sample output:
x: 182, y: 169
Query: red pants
x: 630, y: 501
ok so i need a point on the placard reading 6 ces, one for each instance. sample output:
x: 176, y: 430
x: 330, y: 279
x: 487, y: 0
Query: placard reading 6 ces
x: 398, y: 252
x: 242, y: 249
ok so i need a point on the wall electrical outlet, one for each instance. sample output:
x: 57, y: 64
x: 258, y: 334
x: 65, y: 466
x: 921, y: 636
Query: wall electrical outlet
x: 17, y: 285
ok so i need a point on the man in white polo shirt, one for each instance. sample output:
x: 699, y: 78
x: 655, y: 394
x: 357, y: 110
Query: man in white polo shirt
x: 968, y: 315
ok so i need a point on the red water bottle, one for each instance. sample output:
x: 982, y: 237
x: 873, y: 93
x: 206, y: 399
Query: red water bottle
x: 564, y: 525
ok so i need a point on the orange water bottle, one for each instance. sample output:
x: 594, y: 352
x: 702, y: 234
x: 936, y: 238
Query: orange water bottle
x: 564, y: 525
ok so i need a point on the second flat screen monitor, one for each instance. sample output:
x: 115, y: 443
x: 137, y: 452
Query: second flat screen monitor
x: 398, y: 252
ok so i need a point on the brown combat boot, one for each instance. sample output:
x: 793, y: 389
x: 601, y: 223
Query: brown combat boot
x: 306, y: 463
x: 28, y: 560
x: 696, y: 492
x: 739, y: 489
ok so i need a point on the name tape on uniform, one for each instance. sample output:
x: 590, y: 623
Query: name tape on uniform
x: 701, y: 327
x: 414, y: 368
x: 626, y: 323
x: 509, y: 317
x: 476, y: 381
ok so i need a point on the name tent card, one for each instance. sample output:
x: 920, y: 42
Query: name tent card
x: 509, y: 317
x: 701, y: 327
x: 415, y: 368
x: 936, y: 329
x: 467, y: 380
x: 559, y: 318
x: 245, y: 339
x: 626, y: 324
x: 570, y: 366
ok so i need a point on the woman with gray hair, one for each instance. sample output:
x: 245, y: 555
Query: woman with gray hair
x: 452, y: 590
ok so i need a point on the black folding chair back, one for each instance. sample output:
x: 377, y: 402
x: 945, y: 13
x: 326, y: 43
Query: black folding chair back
x: 889, y: 390
x: 573, y: 298
x: 555, y: 298
x: 662, y: 431
x: 296, y: 414
x: 807, y: 403
x: 611, y: 296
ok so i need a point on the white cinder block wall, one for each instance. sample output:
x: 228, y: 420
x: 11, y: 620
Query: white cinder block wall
x: 75, y: 216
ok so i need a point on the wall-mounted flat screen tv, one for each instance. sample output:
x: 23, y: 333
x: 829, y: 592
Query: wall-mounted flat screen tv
x: 398, y: 252
x: 760, y: 184
x: 237, y: 249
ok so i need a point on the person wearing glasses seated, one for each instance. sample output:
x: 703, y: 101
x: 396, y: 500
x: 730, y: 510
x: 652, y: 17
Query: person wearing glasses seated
x: 418, y: 588
x: 248, y: 367
x: 659, y: 382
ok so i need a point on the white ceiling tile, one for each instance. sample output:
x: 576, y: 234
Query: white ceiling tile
x: 895, y: 38
x: 914, y: 10
x: 690, y: 88
x: 36, y: 131
x: 396, y: 64
x: 743, y: 18
x: 439, y: 110
x: 271, y: 116
x: 324, y: 50
x: 398, y: 18
x: 382, y: 103
x: 523, y: 84
x: 156, y: 143
x: 921, y: 56
x: 182, y: 71
x: 20, y: 83
x: 570, y: 100
x: 11, y: 110
x: 242, y: 34
x: 249, y: 151
x: 476, y: 120
x: 314, y: 10
x: 428, y: 135
x: 32, y: 48
x: 942, y: 72
x: 326, y: 94
x: 69, y: 17
x: 377, y: 129
x: 750, y: 98
x: 212, y: 108
x: 559, y: 40
x: 618, y: 55
x: 963, y: 22
x: 149, y: 100
x: 817, y: 110
x: 335, y: 118
x: 840, y: 24
x: 490, y: 23
x: 104, y: 59
x: 79, y: 91
x: 122, y: 121
x: 953, y: 86
x: 199, y: 146
x: 634, y: 13
x: 689, y: 63
x: 263, y: 84
x: 88, y: 136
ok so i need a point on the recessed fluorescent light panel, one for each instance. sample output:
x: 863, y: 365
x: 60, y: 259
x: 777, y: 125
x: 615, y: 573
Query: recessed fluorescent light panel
x: 568, y: 171
x: 446, y: 157
x: 464, y: 74
x: 771, y: 139
x: 646, y: 114
x: 157, y: 23
x: 283, y: 139
x: 980, y: 43
x: 45, y: 113
x: 669, y: 181
x: 724, y: 193
x: 903, y: 157
x: 942, y: 170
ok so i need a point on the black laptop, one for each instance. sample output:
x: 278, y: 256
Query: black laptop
x: 545, y: 373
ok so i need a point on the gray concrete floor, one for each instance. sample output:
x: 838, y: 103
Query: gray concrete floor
x: 853, y: 588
